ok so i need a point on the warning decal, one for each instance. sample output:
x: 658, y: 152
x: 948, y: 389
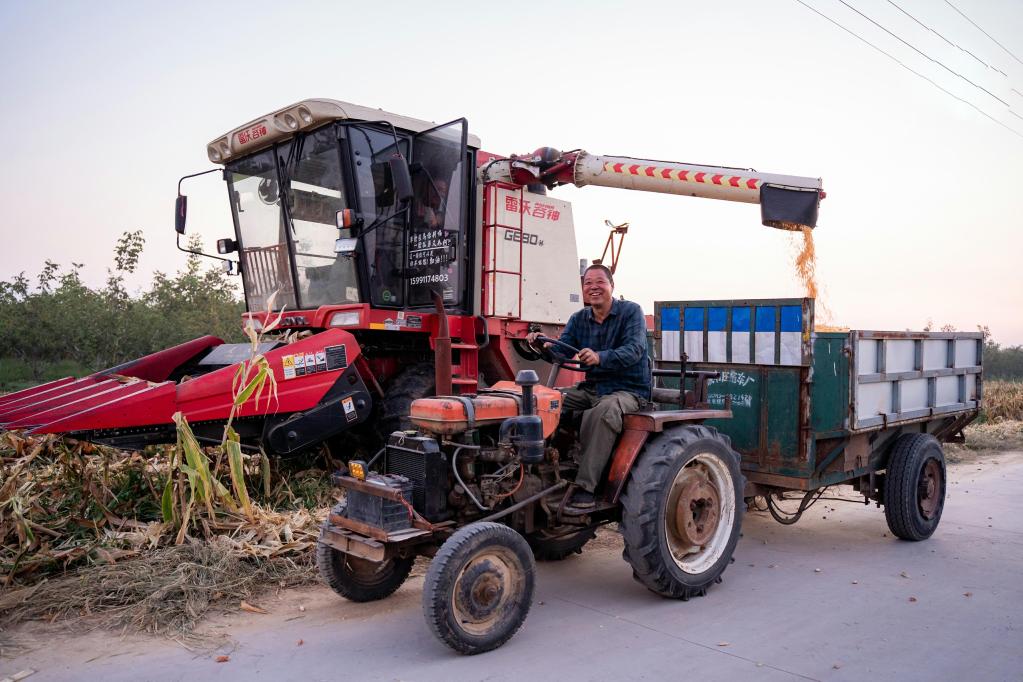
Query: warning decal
x: 336, y: 357
x: 349, y: 405
x: 288, y: 361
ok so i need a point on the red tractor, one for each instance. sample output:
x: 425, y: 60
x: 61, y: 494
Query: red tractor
x: 407, y: 262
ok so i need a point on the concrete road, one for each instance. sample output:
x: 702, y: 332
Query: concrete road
x: 833, y: 598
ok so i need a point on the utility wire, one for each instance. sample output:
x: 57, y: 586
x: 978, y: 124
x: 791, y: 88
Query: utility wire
x: 910, y: 69
x: 983, y: 31
x: 922, y: 54
x: 995, y: 68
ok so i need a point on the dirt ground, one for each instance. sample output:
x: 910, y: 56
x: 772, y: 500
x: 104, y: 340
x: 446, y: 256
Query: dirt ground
x: 29, y: 647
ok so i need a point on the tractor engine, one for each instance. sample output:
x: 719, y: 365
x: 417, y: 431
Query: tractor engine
x: 476, y: 454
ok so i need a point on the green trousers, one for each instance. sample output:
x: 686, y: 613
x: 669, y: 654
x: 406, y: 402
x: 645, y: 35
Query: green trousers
x: 602, y: 422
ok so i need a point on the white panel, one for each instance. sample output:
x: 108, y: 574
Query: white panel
x: 550, y: 264
x: 873, y: 399
x: 947, y: 390
x: 694, y: 346
x: 935, y: 354
x: 899, y: 356
x: 669, y: 346
x: 740, y: 347
x: 791, y: 348
x: 971, y: 386
x: 716, y: 347
x: 764, y: 348
x: 966, y: 352
x: 866, y: 357
x: 914, y: 394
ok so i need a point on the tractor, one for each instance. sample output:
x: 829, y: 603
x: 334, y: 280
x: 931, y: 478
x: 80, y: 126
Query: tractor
x: 481, y: 485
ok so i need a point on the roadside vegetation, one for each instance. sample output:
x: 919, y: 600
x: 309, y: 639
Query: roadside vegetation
x: 54, y: 325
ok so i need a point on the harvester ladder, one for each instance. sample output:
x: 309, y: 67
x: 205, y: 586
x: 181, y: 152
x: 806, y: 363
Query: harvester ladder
x: 491, y: 228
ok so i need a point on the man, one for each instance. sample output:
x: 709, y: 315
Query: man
x: 611, y: 336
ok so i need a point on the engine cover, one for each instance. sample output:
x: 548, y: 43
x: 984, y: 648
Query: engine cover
x: 447, y: 415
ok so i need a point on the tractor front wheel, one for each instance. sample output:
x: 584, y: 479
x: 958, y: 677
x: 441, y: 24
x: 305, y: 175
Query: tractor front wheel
x: 479, y: 587
x: 356, y: 579
x: 682, y: 511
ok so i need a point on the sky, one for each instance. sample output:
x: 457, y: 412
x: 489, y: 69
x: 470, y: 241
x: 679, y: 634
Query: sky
x: 105, y: 105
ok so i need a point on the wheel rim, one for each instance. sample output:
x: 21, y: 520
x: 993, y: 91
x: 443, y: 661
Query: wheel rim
x: 929, y: 489
x: 365, y: 570
x: 700, y: 513
x: 487, y: 583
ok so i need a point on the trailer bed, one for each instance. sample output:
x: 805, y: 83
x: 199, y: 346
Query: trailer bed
x: 818, y: 408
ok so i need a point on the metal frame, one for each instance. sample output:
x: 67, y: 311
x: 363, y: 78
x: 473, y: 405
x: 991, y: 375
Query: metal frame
x: 896, y: 379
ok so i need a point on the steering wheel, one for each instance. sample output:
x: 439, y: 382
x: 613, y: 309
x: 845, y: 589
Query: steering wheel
x: 571, y: 365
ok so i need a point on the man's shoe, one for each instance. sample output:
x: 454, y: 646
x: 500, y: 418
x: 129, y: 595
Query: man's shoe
x: 581, y: 502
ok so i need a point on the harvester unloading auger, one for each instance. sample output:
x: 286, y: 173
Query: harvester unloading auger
x: 417, y: 261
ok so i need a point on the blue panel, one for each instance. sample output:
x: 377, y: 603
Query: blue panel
x: 791, y: 318
x: 670, y: 319
x: 694, y: 319
x: 765, y: 319
x: 740, y: 319
x: 716, y: 319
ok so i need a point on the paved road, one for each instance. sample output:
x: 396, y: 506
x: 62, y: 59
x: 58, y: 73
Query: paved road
x: 878, y: 608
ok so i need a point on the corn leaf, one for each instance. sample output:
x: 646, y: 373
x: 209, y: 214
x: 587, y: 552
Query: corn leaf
x: 264, y: 470
x: 167, y: 500
x: 234, y: 460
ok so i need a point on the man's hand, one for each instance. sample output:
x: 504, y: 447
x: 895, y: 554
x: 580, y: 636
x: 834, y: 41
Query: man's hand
x: 531, y: 340
x: 589, y: 357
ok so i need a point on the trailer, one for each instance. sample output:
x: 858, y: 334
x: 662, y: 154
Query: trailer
x: 811, y: 409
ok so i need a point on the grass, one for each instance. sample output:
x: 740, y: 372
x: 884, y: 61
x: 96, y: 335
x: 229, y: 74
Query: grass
x: 1002, y: 399
x: 16, y: 374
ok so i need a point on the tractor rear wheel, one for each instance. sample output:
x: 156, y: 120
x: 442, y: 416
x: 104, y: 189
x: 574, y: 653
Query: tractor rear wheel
x: 914, y: 486
x: 479, y: 587
x: 553, y: 545
x: 682, y: 511
x: 356, y: 579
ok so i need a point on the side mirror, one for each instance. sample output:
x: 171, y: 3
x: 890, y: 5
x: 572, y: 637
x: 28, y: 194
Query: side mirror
x: 402, y: 179
x: 180, y: 213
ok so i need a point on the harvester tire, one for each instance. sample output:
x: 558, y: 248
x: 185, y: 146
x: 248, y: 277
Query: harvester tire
x: 557, y: 547
x: 914, y: 486
x: 355, y: 579
x: 479, y: 587
x: 682, y: 511
x: 417, y: 381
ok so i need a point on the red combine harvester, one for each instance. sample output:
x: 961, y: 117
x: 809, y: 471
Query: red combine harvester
x: 408, y: 262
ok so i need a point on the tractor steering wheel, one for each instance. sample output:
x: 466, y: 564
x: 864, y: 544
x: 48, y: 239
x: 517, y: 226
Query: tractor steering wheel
x: 571, y: 365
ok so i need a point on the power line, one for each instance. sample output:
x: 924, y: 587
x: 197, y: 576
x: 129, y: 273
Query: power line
x: 921, y: 53
x: 955, y: 45
x: 911, y: 70
x: 983, y: 31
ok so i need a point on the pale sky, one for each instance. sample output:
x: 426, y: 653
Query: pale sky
x: 105, y: 105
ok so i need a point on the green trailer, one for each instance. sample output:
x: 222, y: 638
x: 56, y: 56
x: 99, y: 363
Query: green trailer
x: 813, y: 409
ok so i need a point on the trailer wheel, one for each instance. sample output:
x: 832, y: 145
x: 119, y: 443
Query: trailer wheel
x: 552, y: 546
x: 914, y: 487
x: 682, y: 511
x: 356, y: 579
x: 479, y: 587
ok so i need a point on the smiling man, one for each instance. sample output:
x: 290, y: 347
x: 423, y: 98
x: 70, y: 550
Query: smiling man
x: 611, y: 336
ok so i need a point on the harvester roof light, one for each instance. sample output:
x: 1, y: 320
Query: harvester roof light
x: 291, y: 121
x: 304, y: 114
x: 214, y: 155
x: 344, y: 319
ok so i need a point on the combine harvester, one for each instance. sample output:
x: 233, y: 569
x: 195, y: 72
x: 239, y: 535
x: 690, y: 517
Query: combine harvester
x: 408, y: 261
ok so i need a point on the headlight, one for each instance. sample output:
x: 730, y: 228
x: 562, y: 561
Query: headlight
x: 344, y: 319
